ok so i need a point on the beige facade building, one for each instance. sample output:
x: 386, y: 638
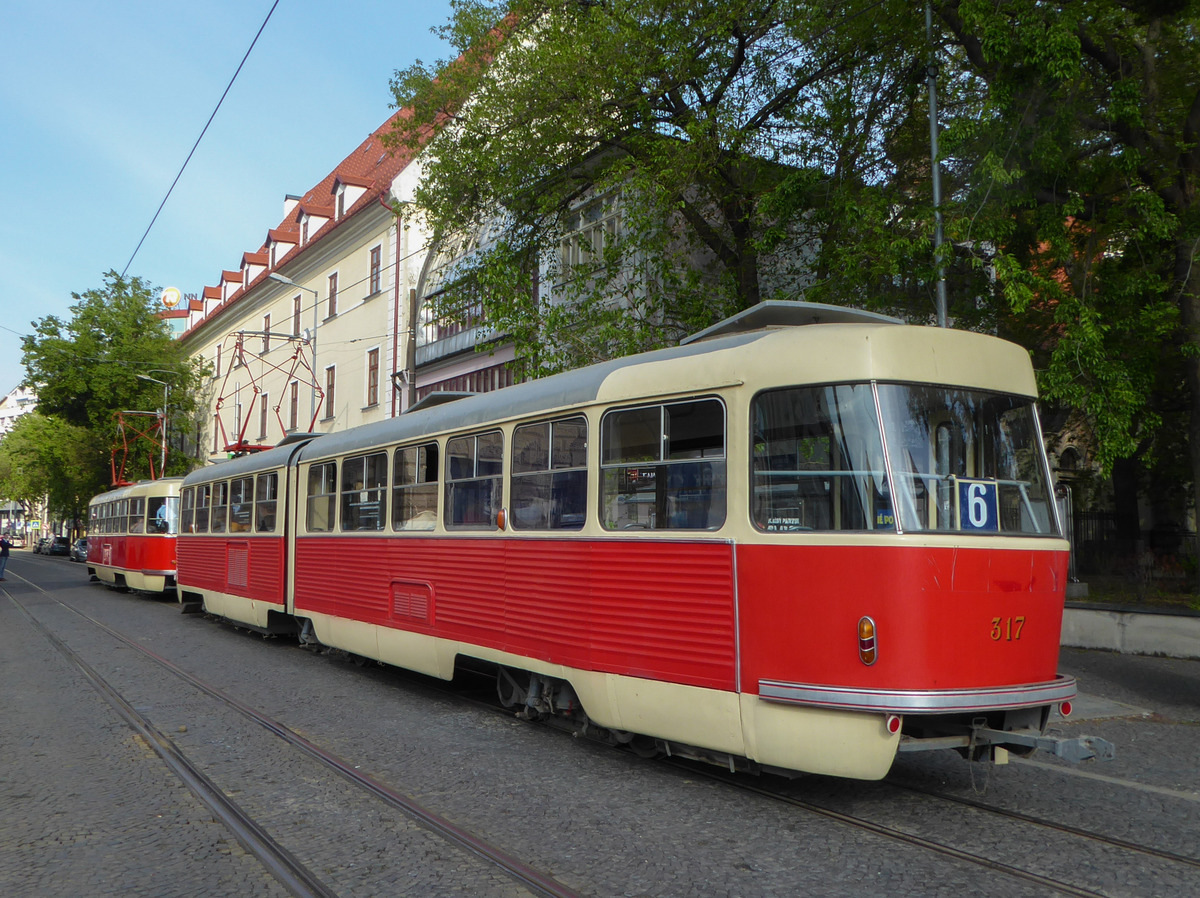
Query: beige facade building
x: 308, y: 331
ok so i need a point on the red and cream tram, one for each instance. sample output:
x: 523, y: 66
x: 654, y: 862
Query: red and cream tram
x: 805, y: 540
x: 131, y: 535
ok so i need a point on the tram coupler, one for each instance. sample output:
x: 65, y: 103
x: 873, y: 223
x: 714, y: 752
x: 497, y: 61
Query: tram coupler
x: 1081, y: 748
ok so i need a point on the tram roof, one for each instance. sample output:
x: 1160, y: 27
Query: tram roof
x: 141, y: 486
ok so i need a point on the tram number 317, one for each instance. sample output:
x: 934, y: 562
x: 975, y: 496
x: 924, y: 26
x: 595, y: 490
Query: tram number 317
x: 1007, y: 628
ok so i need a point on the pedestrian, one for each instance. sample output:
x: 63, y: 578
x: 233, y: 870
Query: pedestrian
x: 5, y: 545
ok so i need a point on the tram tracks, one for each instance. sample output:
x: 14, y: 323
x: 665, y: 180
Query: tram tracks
x: 293, y: 873
x: 1053, y: 826
x: 943, y: 847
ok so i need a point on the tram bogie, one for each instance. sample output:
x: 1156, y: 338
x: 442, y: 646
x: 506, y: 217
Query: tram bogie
x: 787, y: 545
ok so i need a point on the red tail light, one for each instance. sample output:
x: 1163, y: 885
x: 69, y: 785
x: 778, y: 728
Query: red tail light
x: 868, y: 650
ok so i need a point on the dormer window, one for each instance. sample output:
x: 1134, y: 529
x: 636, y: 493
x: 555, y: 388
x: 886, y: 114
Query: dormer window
x: 346, y: 192
x: 312, y: 219
x: 279, y: 243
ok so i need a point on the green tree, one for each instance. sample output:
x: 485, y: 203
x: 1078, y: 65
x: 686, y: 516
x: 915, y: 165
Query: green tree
x: 1074, y: 151
x: 692, y: 117
x: 45, y: 458
x: 85, y: 369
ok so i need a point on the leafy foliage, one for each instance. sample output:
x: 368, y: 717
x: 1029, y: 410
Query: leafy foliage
x: 85, y: 370
x: 693, y: 117
x: 45, y: 458
x: 1073, y: 151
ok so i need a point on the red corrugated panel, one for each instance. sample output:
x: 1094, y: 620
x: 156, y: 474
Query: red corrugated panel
x: 649, y: 608
x: 252, y: 568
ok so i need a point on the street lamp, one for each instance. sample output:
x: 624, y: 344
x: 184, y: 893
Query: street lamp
x: 276, y: 276
x: 166, y: 391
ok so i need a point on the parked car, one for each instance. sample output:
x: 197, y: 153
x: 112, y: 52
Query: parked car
x: 79, y: 550
x: 59, y: 545
x: 39, y: 547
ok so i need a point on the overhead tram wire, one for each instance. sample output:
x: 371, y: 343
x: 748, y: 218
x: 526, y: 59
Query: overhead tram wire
x: 200, y: 138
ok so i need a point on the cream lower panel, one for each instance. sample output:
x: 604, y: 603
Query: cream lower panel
x: 709, y: 718
x: 818, y: 740
x: 147, y: 583
x: 416, y: 651
x: 238, y: 608
x: 400, y: 648
x: 132, y: 579
x: 104, y: 574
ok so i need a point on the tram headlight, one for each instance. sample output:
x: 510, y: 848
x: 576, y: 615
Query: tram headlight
x: 868, y: 649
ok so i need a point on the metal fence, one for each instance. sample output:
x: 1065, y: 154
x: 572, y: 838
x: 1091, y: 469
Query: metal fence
x: 1109, y: 544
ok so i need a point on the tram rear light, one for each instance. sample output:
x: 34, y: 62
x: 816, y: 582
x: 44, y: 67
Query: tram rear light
x: 893, y: 724
x: 867, y: 647
x: 1065, y: 709
x: 501, y: 519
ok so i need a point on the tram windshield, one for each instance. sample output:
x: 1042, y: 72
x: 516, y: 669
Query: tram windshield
x: 960, y: 460
x: 966, y: 460
x: 163, y: 514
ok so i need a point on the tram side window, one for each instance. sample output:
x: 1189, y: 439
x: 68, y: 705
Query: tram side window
x: 414, y: 496
x: 203, y: 497
x: 219, y: 515
x: 473, y: 487
x: 187, y: 514
x: 364, y: 492
x: 549, y: 475
x: 818, y: 461
x: 663, y: 467
x: 322, y: 496
x: 241, y: 504
x: 266, y: 499
x: 122, y: 521
x: 137, y: 515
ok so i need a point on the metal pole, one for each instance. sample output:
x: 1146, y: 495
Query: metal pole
x: 162, y: 415
x: 279, y: 278
x: 410, y: 351
x: 936, y: 167
x: 312, y: 410
x: 162, y: 468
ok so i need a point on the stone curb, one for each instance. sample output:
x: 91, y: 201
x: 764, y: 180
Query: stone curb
x: 1134, y: 631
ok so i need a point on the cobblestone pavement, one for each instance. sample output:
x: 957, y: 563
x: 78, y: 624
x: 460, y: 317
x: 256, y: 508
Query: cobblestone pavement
x: 87, y: 809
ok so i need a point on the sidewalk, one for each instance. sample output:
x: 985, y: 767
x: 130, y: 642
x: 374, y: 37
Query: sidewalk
x: 1131, y: 629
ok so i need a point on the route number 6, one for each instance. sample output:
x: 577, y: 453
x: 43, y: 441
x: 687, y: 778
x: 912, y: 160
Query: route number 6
x: 978, y: 508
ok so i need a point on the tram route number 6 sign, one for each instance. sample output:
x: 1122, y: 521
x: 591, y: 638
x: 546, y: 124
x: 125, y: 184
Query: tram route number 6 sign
x: 978, y: 507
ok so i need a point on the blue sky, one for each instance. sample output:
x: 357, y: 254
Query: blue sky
x: 100, y: 103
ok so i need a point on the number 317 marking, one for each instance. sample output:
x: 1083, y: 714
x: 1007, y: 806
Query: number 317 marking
x: 1007, y: 628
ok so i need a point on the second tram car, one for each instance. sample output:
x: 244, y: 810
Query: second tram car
x: 132, y: 533
x: 805, y: 540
